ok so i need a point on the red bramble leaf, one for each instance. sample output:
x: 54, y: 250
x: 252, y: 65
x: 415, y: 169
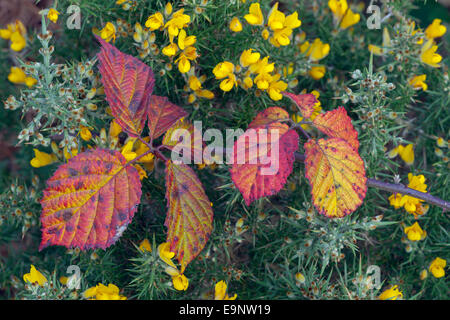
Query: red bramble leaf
x: 189, y: 217
x: 128, y: 85
x: 337, y: 124
x: 162, y: 114
x: 253, y: 175
x: 89, y: 201
x: 304, y: 102
x: 337, y: 177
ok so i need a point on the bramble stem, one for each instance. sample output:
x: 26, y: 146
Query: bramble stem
x: 398, y: 188
x: 299, y: 127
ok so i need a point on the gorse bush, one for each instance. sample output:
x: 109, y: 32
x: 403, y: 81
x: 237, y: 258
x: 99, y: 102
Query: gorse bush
x: 225, y: 149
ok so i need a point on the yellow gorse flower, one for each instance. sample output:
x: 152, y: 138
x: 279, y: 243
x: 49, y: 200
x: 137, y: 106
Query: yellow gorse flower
x: 435, y: 29
x: 418, y: 82
x: 225, y: 70
x: 34, y: 277
x: 179, y: 280
x: 255, y: 15
x: 411, y: 204
x: 342, y: 13
x: 108, y: 32
x: 16, y: 33
x: 168, y: 9
x: 114, y: 129
x: 155, y: 21
x: 338, y: 7
x: 185, y: 41
x: 53, y: 15
x: 249, y: 57
x: 317, y: 50
x: 405, y: 152
x: 189, y: 53
x: 391, y: 294
x: 165, y: 254
x: 276, y: 86
x: 282, y: 26
x: 70, y: 154
x: 179, y: 21
x: 145, y: 246
x: 195, y: 85
x: 235, y: 25
x: 220, y: 292
x: 417, y: 183
x: 184, y: 64
x: 250, y: 64
x: 423, y: 274
x: 396, y: 200
x: 127, y: 150
x: 42, y: 159
x: 429, y: 56
x: 317, y: 72
x: 415, y: 232
x: 18, y: 76
x: 300, y: 278
x: 350, y: 18
x: 170, y: 50
x: 85, y: 133
x: 437, y: 267
x: 126, y: 4
x: 102, y: 292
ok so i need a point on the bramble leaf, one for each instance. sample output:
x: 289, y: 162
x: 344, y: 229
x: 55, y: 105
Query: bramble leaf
x: 268, y: 116
x: 189, y: 217
x: 337, y: 176
x: 89, y: 201
x: 305, y: 102
x: 191, y: 140
x: 261, y: 166
x: 128, y: 85
x: 337, y: 124
x: 162, y: 114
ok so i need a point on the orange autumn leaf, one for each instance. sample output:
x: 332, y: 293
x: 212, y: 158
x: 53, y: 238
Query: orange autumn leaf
x: 337, y: 176
x: 162, y: 114
x: 128, y: 85
x: 89, y: 201
x: 337, y: 124
x: 304, y: 102
x: 254, y: 175
x: 189, y: 217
